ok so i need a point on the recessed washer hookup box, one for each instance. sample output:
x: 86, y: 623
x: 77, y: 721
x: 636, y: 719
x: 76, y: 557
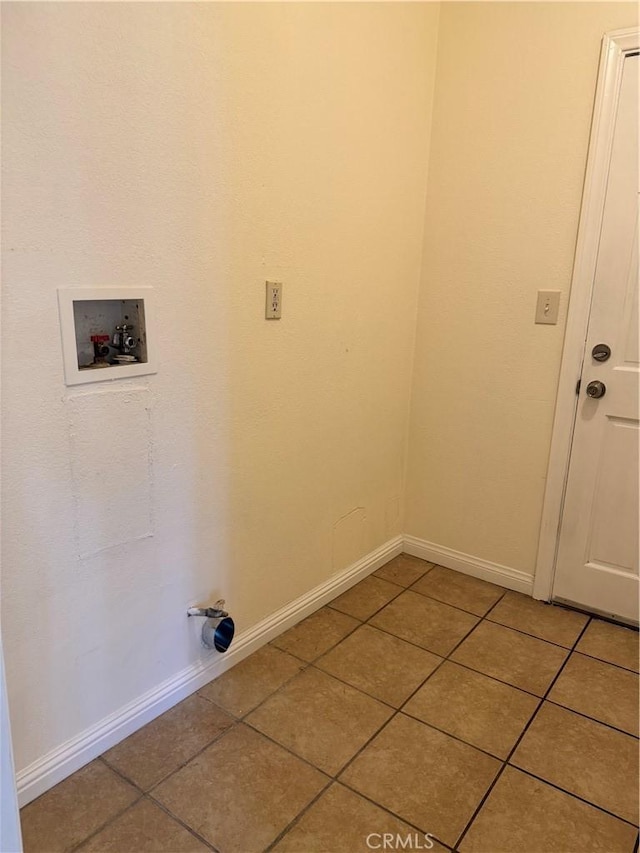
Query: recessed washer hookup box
x: 107, y: 333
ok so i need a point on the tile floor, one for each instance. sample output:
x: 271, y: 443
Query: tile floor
x: 419, y: 702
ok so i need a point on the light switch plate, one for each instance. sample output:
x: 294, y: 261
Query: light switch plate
x: 547, y: 307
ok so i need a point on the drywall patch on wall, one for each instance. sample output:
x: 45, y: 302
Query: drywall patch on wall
x: 111, y: 465
x: 349, y: 536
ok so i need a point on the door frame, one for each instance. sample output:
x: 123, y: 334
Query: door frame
x: 10, y: 832
x: 616, y: 46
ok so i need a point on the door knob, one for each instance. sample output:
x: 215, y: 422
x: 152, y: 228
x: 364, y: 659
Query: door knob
x: 596, y: 389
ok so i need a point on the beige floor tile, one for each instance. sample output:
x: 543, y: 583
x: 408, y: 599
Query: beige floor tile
x: 546, y: 621
x: 460, y: 590
x: 583, y: 757
x: 475, y: 708
x: 320, y: 719
x: 380, y: 664
x: 524, y: 815
x: 70, y: 812
x: 144, y: 828
x: 316, y: 634
x: 241, y: 792
x: 240, y: 689
x: 163, y: 745
x: 613, y: 643
x: 403, y: 570
x: 599, y: 690
x: 365, y: 598
x: 523, y: 661
x: 435, y: 626
x: 425, y: 777
x: 341, y: 822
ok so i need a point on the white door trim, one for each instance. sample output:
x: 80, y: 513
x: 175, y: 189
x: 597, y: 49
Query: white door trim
x: 615, y: 47
x: 10, y: 834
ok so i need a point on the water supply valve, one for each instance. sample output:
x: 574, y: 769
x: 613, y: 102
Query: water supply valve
x: 124, y: 340
x: 219, y: 628
x: 100, y: 350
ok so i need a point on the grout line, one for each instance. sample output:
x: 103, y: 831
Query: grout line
x: 299, y: 816
x: 104, y: 825
x: 432, y: 651
x: 371, y: 615
x: 519, y: 740
x: 572, y: 794
x: 496, y: 603
x: 423, y: 575
x: 360, y: 690
x: 146, y: 791
x: 415, y: 645
x: 610, y: 662
x: 122, y: 775
x: 179, y: 820
x: 454, y: 737
x: 437, y: 601
x: 398, y: 710
x: 404, y: 588
x: 433, y: 672
x: 335, y: 779
x: 593, y: 719
x: 412, y: 588
x: 486, y: 617
x: 218, y: 737
x: 534, y: 636
x: 315, y: 660
x: 288, y: 749
x: 293, y: 654
x: 242, y: 717
x: 393, y: 814
x: 494, y: 678
x: 340, y: 771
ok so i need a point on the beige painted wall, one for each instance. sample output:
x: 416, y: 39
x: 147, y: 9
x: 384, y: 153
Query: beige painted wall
x: 514, y: 95
x: 201, y: 149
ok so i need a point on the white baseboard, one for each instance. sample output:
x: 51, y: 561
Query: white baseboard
x: 61, y: 762
x: 469, y: 565
x: 80, y: 750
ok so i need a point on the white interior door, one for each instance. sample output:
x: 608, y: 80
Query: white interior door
x: 597, y: 560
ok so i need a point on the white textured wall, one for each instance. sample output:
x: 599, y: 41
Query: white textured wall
x: 514, y: 93
x: 201, y: 149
